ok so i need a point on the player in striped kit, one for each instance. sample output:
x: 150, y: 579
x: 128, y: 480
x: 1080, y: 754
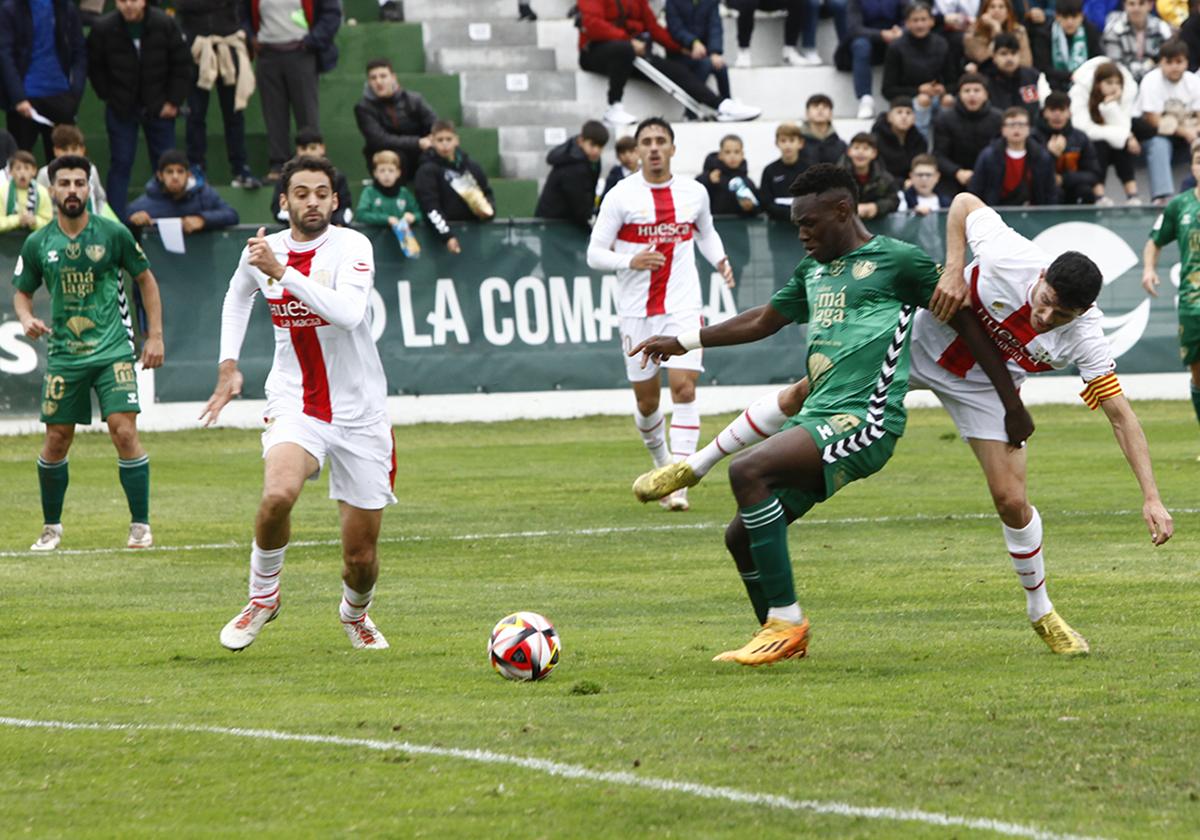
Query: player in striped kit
x: 326, y: 395
x: 647, y: 231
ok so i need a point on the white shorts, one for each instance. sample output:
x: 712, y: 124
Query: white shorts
x: 974, y: 407
x: 362, y: 459
x: 635, y: 330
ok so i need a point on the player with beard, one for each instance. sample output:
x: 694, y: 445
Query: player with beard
x: 326, y: 395
x: 79, y: 258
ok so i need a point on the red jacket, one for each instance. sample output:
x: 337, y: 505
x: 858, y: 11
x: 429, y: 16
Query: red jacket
x: 620, y: 20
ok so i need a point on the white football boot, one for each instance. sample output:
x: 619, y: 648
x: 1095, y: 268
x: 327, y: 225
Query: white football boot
x: 364, y: 635
x: 50, y: 538
x: 139, y: 536
x: 244, y: 627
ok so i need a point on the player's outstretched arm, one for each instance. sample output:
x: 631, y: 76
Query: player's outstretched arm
x: 1150, y: 267
x: 1017, y: 422
x: 33, y: 327
x: 229, y: 386
x: 751, y: 325
x: 951, y: 293
x: 1132, y: 440
x: 152, y: 350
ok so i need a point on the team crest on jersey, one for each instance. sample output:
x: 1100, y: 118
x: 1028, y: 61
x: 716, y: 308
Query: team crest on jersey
x: 73, y: 250
x: 322, y: 278
x: 863, y: 269
x: 836, y: 267
x: 95, y: 252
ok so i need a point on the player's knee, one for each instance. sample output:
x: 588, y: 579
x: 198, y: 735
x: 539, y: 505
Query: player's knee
x: 276, y: 504
x: 736, y: 539
x: 684, y: 392
x: 359, y: 557
x: 743, y: 472
x: 1011, y: 505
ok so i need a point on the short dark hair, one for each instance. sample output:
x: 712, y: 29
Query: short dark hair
x: 1006, y: 41
x: 306, y: 164
x: 594, y: 132
x: 1068, y: 8
x: 901, y: 101
x: 440, y: 126
x: 823, y: 178
x: 915, y: 6
x: 1057, y: 101
x: 626, y: 144
x: 376, y: 63
x: 171, y: 157
x: 308, y: 137
x: 1076, y: 280
x: 818, y: 99
x: 653, y: 121
x: 731, y: 138
x: 1173, y: 48
x: 68, y: 162
x: 972, y: 79
x: 22, y: 156
x: 923, y: 159
x: 66, y: 135
x: 1013, y: 111
x: 866, y: 138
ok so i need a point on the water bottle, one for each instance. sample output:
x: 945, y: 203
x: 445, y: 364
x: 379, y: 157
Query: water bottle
x: 741, y: 189
x: 409, y: 245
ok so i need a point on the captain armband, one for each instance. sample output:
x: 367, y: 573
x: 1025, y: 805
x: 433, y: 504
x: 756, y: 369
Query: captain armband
x: 1100, y: 389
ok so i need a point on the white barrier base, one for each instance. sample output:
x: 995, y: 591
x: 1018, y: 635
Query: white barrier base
x: 540, y: 405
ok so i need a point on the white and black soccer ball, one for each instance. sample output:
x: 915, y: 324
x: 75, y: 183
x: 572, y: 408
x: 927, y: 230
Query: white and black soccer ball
x: 524, y: 646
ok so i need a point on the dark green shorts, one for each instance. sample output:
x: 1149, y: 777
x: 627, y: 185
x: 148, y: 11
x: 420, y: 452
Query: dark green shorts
x: 67, y: 392
x: 1189, y: 339
x: 850, y: 450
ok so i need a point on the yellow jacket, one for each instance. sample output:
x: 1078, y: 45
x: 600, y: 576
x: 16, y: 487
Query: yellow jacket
x: 1174, y: 12
x: 12, y: 203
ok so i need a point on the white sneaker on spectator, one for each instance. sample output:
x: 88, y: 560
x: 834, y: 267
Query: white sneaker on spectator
x: 730, y: 110
x: 617, y: 115
x: 811, y: 56
x: 866, y: 107
x: 795, y: 58
x: 1104, y: 201
x: 742, y: 62
x: 1133, y: 201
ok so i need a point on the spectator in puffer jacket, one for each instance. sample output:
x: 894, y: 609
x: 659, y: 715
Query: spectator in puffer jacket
x: 898, y: 139
x: 962, y: 132
x: 878, y: 192
x: 451, y: 187
x: 570, y: 191
x: 727, y: 179
x: 390, y: 117
x: 1102, y: 98
x: 820, y: 137
x: 1075, y: 169
x: 1015, y: 171
x: 174, y: 194
x: 918, y: 65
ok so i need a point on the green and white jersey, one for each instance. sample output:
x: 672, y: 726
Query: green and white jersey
x: 859, y: 309
x: 1181, y: 221
x: 90, y: 314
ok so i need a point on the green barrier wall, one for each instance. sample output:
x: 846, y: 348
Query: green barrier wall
x: 519, y: 310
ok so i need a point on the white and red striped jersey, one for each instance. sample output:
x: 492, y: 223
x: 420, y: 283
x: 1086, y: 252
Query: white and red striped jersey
x: 671, y: 218
x: 1001, y: 277
x: 326, y: 364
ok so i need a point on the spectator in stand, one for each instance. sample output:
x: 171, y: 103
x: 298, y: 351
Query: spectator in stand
x: 43, y: 66
x: 1174, y: 12
x: 1061, y: 47
x: 68, y: 140
x: 386, y: 200
x: 774, y: 188
x: 697, y: 27
x: 793, y: 28
x: 390, y: 117
x: 627, y: 163
x: 870, y: 26
x: 141, y: 69
x: 962, y: 132
x: 451, y: 187
x: 294, y: 42
x: 953, y: 19
x: 1011, y: 85
x: 174, y: 193
x: 917, y: 65
x: 24, y: 203
x: 1168, y: 100
x: 727, y: 178
x: 820, y: 137
x: 878, y: 193
x: 570, y: 191
x: 1133, y: 37
x: 897, y: 140
x: 1014, y: 171
x: 923, y: 196
x: 310, y: 143
x: 612, y: 33
x: 1102, y: 100
x: 1076, y: 172
x: 1190, y: 33
x: 996, y: 17
x: 218, y: 46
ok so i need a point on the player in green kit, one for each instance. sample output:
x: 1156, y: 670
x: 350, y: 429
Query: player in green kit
x: 857, y: 293
x: 79, y: 259
x: 1180, y: 220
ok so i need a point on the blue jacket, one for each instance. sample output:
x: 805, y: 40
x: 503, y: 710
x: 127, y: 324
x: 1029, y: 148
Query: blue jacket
x: 200, y: 201
x: 16, y: 48
x: 696, y: 20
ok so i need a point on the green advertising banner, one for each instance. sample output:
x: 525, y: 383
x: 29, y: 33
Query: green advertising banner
x: 519, y: 310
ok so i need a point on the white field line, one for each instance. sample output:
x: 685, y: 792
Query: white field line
x: 575, y: 771
x: 581, y: 532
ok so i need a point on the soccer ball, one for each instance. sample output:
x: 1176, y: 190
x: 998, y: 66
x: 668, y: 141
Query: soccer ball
x: 524, y: 646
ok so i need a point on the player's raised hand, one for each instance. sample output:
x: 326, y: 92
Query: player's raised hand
x: 261, y: 256
x: 726, y: 272
x: 35, y: 328
x: 647, y: 260
x: 658, y: 347
x: 1158, y: 519
x: 152, y: 353
x: 1150, y: 282
x: 1018, y: 425
x: 229, y: 385
x: 950, y: 295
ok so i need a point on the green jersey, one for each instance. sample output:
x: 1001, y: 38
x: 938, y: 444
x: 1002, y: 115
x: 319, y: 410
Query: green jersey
x: 90, y: 314
x: 1180, y: 220
x: 859, y: 309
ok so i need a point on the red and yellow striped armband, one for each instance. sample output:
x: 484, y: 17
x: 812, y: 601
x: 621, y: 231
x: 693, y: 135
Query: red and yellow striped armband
x: 1100, y: 389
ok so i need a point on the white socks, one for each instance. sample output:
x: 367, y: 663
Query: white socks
x: 1025, y: 548
x: 265, y: 565
x: 354, y: 604
x: 757, y: 423
x: 653, y: 429
x: 789, y: 613
x: 685, y: 429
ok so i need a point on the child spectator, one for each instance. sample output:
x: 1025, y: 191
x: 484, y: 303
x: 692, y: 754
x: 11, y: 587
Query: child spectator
x: 570, y: 191
x: 922, y: 195
x: 871, y: 25
x: 877, y: 192
x: 1013, y: 170
x: 696, y: 25
x: 917, y: 65
x: 820, y: 138
x: 1061, y: 48
x: 310, y: 143
x: 962, y: 132
x: 1102, y: 100
x: 1010, y: 84
x: 386, y: 201
x: 996, y: 17
x: 627, y: 162
x: 1168, y: 99
x: 777, y: 177
x: 1076, y: 172
x: 793, y: 28
x: 1134, y: 38
x: 899, y: 142
x: 68, y: 140
x: 727, y: 179
x: 451, y: 187
x: 174, y: 194
x: 24, y: 203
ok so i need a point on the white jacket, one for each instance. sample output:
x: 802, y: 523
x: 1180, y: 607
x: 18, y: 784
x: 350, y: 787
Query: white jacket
x: 1117, y: 115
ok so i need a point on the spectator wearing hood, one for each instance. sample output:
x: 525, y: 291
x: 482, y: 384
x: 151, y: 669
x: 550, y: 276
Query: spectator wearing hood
x: 1075, y: 169
x: 174, y: 194
x: 570, y: 191
x: 898, y: 139
x: 878, y: 192
x: 727, y: 178
x: 1015, y: 171
x: 962, y: 132
x: 918, y: 65
x: 451, y: 187
x: 390, y: 117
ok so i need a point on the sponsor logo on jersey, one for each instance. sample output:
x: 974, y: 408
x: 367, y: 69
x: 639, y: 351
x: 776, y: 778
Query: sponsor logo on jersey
x: 863, y: 269
x: 290, y: 314
x: 843, y: 423
x: 49, y: 407
x: 95, y: 252
x: 77, y: 283
x: 829, y: 307
x: 818, y: 365
x: 656, y: 233
x: 77, y: 324
x: 73, y: 250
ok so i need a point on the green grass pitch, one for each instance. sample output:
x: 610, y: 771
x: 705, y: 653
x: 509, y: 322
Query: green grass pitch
x: 925, y: 687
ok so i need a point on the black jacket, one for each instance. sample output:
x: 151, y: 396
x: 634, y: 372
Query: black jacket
x: 910, y: 197
x: 1079, y: 154
x: 615, y: 176
x: 1190, y: 33
x: 16, y: 48
x: 721, y: 199
x: 910, y: 63
x: 439, y: 201
x: 959, y: 136
x: 397, y: 123
x: 896, y: 155
x: 1041, y: 45
x: 988, y: 180
x: 826, y: 149
x: 774, y: 190
x: 345, y: 201
x: 880, y: 188
x: 1020, y: 90
x: 129, y: 82
x: 208, y: 17
x: 570, y: 191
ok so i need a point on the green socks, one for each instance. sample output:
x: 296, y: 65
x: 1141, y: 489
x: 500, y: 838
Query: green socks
x: 758, y: 599
x: 53, y: 480
x: 135, y: 480
x: 1196, y: 401
x: 766, y: 523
